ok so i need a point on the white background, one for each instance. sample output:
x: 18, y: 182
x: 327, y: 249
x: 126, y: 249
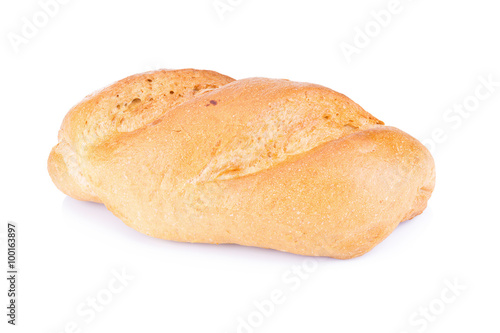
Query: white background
x: 429, y: 57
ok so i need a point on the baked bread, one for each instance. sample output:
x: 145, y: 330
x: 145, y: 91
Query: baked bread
x: 195, y: 156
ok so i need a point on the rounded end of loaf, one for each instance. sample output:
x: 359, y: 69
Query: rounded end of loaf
x: 119, y: 108
x: 407, y: 166
x: 63, y: 179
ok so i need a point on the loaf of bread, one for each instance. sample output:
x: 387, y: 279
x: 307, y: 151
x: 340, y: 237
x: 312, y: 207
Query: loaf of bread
x: 196, y: 156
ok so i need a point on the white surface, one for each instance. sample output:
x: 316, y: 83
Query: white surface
x: 429, y: 57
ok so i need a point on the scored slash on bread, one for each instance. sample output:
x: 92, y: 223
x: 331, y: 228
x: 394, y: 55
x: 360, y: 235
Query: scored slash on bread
x: 195, y: 156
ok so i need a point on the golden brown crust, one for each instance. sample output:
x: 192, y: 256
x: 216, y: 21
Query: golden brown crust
x: 291, y: 166
x: 119, y: 108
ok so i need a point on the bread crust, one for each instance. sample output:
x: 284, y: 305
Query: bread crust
x: 120, y: 108
x: 291, y: 166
